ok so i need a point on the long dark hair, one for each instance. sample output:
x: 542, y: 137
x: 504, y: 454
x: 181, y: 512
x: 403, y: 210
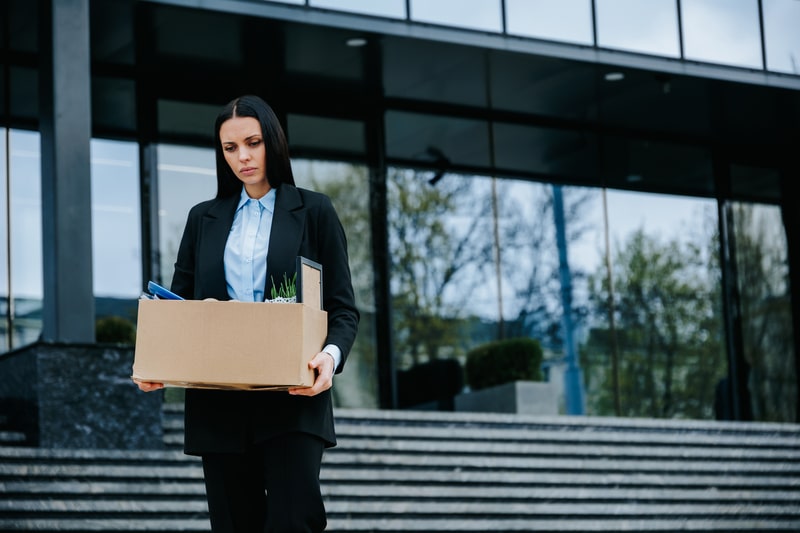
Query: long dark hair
x: 279, y: 166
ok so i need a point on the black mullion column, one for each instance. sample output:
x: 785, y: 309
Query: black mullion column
x: 381, y: 263
x: 147, y: 134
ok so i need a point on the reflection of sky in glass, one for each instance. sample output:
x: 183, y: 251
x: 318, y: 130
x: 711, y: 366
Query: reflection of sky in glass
x: 649, y: 27
x: 782, y: 35
x: 115, y: 218
x: 186, y: 176
x: 116, y: 224
x: 26, y: 215
x: 472, y: 14
x: 722, y: 31
x: 3, y: 225
x: 565, y: 20
x: 663, y: 216
x: 715, y: 31
x: 381, y: 8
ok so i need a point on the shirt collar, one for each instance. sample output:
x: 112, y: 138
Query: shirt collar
x: 267, y: 201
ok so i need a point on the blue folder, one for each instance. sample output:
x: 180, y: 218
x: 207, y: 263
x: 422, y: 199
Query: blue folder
x: 161, y: 292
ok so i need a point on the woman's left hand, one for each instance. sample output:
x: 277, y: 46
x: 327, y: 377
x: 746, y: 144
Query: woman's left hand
x: 322, y: 365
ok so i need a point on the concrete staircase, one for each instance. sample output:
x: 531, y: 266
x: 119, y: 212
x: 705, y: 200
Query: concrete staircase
x: 399, y: 471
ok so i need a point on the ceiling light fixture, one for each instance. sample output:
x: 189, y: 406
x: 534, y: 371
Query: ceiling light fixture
x: 614, y: 76
x: 356, y: 42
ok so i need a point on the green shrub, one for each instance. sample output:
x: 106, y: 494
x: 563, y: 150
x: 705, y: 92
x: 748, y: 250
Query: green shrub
x: 504, y: 361
x: 115, y: 329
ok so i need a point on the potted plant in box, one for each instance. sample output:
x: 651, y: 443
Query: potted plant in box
x: 286, y: 292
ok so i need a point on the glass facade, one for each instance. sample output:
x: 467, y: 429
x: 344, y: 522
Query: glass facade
x: 483, y: 15
x: 761, y: 266
x: 474, y: 255
x: 385, y: 8
x: 647, y: 27
x: 348, y: 187
x: 567, y: 20
x: 23, y: 279
x: 116, y: 234
x: 116, y: 220
x: 713, y: 31
x: 782, y: 40
x: 654, y: 340
x: 722, y: 31
x: 186, y: 176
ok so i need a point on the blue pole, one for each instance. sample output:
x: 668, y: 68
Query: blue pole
x: 573, y: 380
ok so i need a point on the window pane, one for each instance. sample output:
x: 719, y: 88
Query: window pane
x: 648, y: 26
x: 186, y: 118
x: 471, y: 14
x: 474, y: 260
x: 348, y: 187
x: 443, y: 72
x: 722, y: 31
x: 382, y: 8
x: 441, y: 280
x: 116, y: 228
x: 443, y: 140
x: 566, y: 20
x: 545, y: 151
x: 26, y: 236
x: 4, y: 239
x: 763, y: 279
x: 668, y: 329
x: 781, y: 22
x: 332, y: 134
x: 186, y: 176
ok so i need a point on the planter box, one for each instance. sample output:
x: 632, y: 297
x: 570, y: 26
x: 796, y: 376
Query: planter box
x: 63, y: 395
x: 520, y: 397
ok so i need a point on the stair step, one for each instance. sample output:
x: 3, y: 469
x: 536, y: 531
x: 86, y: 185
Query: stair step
x: 398, y: 525
x: 403, y: 471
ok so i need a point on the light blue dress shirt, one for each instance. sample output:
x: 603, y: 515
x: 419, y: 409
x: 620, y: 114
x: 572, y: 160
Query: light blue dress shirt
x: 247, y: 247
x: 246, y: 253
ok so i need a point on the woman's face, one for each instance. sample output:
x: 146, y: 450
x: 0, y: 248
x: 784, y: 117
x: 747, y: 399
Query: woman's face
x: 244, y: 149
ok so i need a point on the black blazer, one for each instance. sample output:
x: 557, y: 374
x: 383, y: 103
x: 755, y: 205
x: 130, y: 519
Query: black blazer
x: 304, y: 223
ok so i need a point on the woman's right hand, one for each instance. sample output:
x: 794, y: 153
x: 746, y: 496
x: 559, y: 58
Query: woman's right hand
x: 148, y: 386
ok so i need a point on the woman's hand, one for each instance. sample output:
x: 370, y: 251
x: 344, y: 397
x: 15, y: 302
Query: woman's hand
x: 322, y: 365
x: 148, y: 386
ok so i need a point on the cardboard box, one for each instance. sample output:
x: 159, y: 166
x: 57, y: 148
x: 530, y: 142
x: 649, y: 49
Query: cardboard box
x: 228, y: 345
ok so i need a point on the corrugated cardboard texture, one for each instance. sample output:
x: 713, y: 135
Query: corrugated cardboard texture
x: 238, y: 345
x: 311, y: 287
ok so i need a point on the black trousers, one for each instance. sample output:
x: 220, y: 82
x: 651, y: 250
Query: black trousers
x: 272, y: 487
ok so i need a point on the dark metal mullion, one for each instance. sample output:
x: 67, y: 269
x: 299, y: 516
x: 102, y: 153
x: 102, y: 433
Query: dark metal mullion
x: 762, y: 36
x: 680, y: 28
x: 9, y: 317
x: 378, y: 208
x: 146, y: 110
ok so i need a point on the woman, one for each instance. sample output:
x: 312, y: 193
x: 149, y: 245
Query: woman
x: 261, y: 450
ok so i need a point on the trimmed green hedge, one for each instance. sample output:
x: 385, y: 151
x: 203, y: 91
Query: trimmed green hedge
x: 115, y: 329
x: 504, y: 361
